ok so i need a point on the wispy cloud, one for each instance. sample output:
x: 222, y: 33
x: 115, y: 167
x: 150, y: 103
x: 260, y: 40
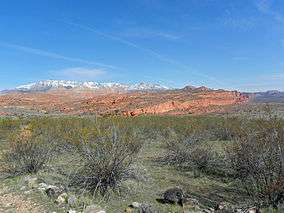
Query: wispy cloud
x: 265, y: 7
x: 79, y: 73
x: 148, y: 33
x: 234, y: 20
x: 180, y: 66
x: 273, y: 77
x: 53, y: 55
x: 238, y: 23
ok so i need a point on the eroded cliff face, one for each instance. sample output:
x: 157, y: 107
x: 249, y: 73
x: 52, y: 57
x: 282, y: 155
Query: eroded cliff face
x: 202, y: 103
x: 170, y: 102
x: 183, y: 101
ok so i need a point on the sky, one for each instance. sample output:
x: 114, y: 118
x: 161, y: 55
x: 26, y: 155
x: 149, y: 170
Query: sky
x: 229, y: 44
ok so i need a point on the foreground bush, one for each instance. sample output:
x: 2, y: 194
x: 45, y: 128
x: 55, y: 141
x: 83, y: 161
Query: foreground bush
x: 257, y: 157
x: 106, y: 157
x: 190, y: 153
x: 29, y: 151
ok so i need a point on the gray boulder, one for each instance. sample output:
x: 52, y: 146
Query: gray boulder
x: 146, y: 208
x: 139, y: 207
x: 54, y: 191
x: 72, y: 200
x: 62, y: 199
x: 94, y: 209
x: 31, y: 181
x: 173, y: 196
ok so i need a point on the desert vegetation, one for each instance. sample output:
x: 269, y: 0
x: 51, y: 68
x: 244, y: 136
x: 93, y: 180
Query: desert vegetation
x: 106, y: 159
x: 115, y: 160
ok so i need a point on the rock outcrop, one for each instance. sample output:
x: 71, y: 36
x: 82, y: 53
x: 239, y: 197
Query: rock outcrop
x: 174, y: 102
x: 180, y: 101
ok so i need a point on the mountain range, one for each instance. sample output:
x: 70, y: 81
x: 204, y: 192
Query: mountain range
x: 49, y: 85
x: 43, y: 86
x: 271, y: 96
x: 72, y: 97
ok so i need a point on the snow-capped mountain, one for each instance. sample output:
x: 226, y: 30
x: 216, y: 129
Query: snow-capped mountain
x: 57, y: 84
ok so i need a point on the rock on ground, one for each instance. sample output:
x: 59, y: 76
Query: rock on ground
x: 94, y: 209
x: 174, y: 195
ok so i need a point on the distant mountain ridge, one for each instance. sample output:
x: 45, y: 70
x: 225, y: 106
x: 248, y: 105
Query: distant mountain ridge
x: 270, y: 96
x: 81, y: 98
x: 42, y: 86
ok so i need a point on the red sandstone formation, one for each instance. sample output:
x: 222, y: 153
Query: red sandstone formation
x: 183, y: 101
x: 4, y: 114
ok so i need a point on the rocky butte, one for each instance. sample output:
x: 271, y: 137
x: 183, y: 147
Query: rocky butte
x: 69, y: 97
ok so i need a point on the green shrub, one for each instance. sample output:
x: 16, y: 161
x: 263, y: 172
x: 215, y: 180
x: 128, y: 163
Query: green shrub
x: 257, y: 158
x: 190, y: 152
x: 106, y: 156
x: 29, y: 151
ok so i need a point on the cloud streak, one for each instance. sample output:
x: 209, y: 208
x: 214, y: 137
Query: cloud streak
x: 273, y: 77
x: 146, y: 33
x: 264, y: 6
x: 149, y: 51
x: 242, y: 24
x: 54, y: 55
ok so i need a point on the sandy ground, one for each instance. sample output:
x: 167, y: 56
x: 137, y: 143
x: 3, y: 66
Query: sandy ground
x: 12, y: 203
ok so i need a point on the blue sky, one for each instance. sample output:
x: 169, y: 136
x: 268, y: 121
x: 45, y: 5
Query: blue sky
x: 218, y: 43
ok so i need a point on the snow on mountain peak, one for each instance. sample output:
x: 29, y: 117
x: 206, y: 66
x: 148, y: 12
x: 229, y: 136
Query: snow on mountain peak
x: 56, y: 84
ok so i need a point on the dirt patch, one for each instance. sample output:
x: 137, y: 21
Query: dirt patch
x: 10, y: 202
